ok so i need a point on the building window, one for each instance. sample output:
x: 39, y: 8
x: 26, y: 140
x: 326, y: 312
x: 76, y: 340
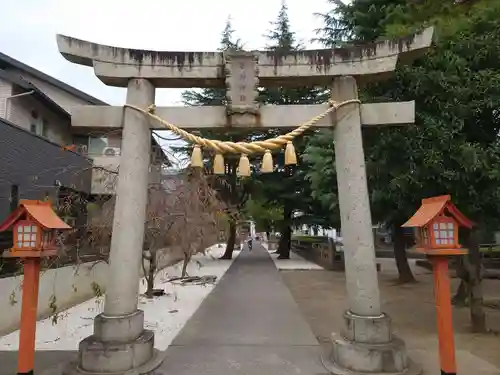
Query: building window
x: 38, y: 126
x: 44, y: 127
x: 97, y: 145
x: 38, y: 129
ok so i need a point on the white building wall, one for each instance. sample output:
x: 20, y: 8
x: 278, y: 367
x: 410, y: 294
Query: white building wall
x: 5, y: 92
x: 61, y: 97
x: 57, y: 127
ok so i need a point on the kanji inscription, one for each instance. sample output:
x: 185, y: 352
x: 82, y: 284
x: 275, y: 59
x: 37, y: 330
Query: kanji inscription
x: 241, y: 79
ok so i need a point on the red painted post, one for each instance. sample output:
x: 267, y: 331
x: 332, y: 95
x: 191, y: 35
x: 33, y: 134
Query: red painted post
x: 27, y: 334
x: 444, y: 315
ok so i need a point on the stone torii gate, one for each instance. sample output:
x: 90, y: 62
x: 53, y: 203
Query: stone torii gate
x: 120, y: 343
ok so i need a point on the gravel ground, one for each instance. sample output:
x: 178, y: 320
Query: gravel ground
x: 321, y: 299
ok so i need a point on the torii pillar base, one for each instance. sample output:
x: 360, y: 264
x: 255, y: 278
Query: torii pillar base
x: 366, y: 345
x: 110, y: 351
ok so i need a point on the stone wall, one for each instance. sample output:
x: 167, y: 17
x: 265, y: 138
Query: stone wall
x: 323, y: 253
x: 71, y: 285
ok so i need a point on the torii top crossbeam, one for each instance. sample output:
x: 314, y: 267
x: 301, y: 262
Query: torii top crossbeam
x: 373, y: 61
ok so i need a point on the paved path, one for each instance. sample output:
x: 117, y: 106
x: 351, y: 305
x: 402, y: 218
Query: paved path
x: 44, y: 361
x: 249, y: 324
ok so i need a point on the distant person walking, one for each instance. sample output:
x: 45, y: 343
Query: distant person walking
x: 250, y: 242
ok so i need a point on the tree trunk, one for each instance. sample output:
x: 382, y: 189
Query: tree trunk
x: 149, y: 285
x: 281, y: 243
x: 477, y: 315
x: 287, y: 243
x: 404, y: 270
x: 461, y: 297
x: 286, y: 234
x: 184, y: 265
x: 150, y: 275
x: 228, y: 254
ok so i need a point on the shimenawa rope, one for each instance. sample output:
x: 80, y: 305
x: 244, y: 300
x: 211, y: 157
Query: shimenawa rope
x: 245, y: 148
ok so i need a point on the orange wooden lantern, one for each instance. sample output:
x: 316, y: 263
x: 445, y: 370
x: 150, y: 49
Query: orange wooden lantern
x: 34, y: 225
x: 436, y: 226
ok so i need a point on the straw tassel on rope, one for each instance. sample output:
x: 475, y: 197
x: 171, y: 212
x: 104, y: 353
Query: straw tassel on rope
x: 290, y: 156
x: 267, y: 162
x: 219, y: 167
x: 196, y: 157
x: 244, y: 166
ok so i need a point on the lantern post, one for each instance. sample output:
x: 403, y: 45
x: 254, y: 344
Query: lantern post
x: 436, y: 226
x: 34, y: 225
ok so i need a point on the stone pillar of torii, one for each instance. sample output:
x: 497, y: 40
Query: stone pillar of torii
x: 120, y: 343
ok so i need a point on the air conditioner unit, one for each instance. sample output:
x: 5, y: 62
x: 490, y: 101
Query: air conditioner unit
x: 111, y: 151
x: 82, y: 149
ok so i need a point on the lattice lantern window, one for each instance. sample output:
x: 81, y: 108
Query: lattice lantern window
x: 422, y: 237
x: 444, y: 232
x: 48, y: 237
x: 27, y: 235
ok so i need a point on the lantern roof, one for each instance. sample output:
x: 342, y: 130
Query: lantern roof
x: 433, y: 207
x: 40, y: 211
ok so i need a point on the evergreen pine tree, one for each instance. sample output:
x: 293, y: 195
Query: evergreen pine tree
x: 359, y: 20
x: 214, y: 96
x: 290, y: 193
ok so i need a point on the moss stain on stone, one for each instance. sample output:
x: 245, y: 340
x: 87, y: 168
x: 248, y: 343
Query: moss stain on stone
x: 324, y: 59
x: 403, y: 44
x: 180, y: 60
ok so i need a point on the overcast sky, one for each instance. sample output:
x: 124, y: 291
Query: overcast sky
x: 29, y: 27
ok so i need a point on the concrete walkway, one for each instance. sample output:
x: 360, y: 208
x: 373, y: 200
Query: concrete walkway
x: 249, y: 324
